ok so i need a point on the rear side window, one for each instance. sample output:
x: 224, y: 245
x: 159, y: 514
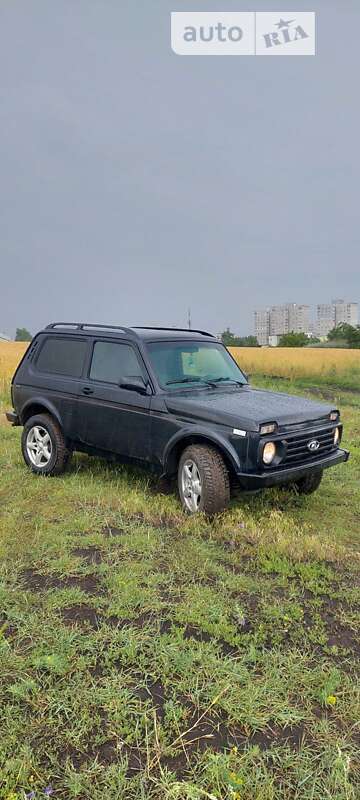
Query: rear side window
x: 62, y: 357
x: 112, y: 362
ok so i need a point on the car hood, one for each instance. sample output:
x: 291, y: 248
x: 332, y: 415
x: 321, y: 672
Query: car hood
x: 245, y: 407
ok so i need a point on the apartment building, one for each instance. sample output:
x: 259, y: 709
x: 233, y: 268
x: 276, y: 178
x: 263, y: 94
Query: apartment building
x: 325, y: 319
x: 279, y: 320
x: 273, y: 322
x: 330, y: 315
x: 262, y: 326
x: 346, y: 312
x: 299, y: 318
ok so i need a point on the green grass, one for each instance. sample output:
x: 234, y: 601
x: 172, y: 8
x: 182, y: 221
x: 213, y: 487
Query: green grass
x: 147, y: 655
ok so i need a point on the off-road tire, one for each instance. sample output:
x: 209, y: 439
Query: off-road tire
x: 215, y: 494
x: 61, y: 453
x: 310, y: 483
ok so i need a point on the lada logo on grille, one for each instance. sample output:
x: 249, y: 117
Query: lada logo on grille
x: 313, y: 445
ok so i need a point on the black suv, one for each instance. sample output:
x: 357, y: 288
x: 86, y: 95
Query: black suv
x: 172, y: 399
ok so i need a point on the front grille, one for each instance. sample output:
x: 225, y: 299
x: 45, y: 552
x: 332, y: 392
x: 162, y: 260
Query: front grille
x: 297, y: 446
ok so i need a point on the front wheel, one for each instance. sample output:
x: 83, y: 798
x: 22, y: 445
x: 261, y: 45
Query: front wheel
x: 203, y: 480
x: 43, y: 445
x: 310, y: 483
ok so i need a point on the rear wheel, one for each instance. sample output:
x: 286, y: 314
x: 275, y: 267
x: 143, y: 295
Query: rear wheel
x: 203, y: 480
x: 43, y: 445
x: 310, y: 483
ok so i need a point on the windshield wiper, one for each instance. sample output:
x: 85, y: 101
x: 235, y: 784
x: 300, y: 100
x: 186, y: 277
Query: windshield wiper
x: 230, y: 380
x: 188, y: 380
x: 207, y: 381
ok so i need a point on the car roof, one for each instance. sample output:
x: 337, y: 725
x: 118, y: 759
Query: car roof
x: 134, y: 332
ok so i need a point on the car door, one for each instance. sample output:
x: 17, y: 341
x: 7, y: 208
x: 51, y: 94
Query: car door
x: 113, y: 418
x: 54, y: 376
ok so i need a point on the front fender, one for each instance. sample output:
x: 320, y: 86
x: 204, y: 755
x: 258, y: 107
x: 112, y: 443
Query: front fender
x: 200, y: 434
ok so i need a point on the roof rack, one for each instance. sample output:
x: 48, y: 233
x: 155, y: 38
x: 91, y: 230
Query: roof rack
x: 84, y: 326
x: 160, y: 328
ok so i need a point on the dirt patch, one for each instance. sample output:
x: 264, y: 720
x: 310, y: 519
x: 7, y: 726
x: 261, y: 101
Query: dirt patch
x: 97, y: 670
x: 178, y: 764
x: 38, y: 582
x: 107, y: 753
x: 166, y: 626
x: 91, y: 555
x: 111, y: 531
x: 161, y: 486
x: 339, y: 635
x: 165, y: 522
x: 274, y: 735
x: 172, y: 597
x: 7, y: 630
x: 228, y: 649
x: 76, y: 757
x: 148, y: 618
x: 201, y: 733
x: 219, y: 736
x: 80, y: 615
x: 206, y: 733
x: 155, y: 692
x: 192, y: 632
x: 332, y: 392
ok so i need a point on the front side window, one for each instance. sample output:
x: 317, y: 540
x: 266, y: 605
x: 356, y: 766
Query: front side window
x: 62, y: 356
x: 178, y: 363
x: 114, y: 362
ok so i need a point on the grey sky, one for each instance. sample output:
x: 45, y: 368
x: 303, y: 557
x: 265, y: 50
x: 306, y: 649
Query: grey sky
x: 135, y: 182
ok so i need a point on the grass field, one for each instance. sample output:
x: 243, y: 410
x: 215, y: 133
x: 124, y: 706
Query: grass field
x: 148, y: 656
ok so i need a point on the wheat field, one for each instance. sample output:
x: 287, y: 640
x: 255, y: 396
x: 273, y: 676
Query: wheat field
x: 10, y: 355
x: 297, y: 362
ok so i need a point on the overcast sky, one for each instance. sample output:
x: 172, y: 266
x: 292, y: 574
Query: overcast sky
x: 135, y: 182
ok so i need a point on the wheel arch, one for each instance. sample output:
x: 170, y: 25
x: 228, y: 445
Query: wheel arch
x: 177, y: 445
x: 38, y: 406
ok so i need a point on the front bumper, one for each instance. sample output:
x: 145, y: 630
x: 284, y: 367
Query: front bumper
x: 290, y: 474
x: 12, y: 417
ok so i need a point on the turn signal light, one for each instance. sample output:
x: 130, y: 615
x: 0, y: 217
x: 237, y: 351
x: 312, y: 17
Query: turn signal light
x: 270, y: 427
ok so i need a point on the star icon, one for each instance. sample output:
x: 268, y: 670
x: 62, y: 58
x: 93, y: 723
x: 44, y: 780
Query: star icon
x: 284, y: 23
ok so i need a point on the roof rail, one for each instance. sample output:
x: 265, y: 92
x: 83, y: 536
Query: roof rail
x: 83, y: 326
x: 159, y: 328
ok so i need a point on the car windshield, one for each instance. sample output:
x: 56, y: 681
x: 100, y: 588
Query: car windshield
x: 178, y: 364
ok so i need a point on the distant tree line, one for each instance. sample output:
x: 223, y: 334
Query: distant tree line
x: 22, y: 335
x: 293, y: 339
x: 343, y: 335
x: 230, y: 339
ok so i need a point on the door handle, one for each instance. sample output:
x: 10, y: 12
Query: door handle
x: 87, y: 390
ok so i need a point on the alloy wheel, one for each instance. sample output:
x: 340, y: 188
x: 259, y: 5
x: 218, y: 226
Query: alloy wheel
x: 39, y: 446
x: 191, y: 485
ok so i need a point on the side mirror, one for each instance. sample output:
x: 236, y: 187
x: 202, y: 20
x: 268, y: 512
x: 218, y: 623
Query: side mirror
x: 135, y: 384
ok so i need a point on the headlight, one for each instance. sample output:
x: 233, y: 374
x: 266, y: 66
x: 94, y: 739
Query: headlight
x: 269, y: 452
x: 336, y: 436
